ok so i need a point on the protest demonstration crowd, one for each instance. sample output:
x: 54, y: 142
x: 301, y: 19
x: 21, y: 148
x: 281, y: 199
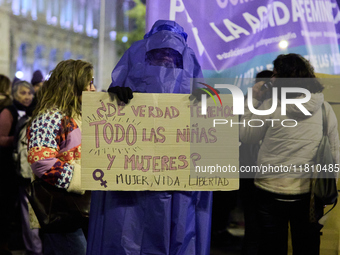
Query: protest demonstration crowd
x: 286, y: 175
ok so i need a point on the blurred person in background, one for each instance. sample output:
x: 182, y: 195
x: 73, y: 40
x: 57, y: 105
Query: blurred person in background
x: 248, y: 157
x: 5, y: 92
x: 29, y: 225
x: 284, y: 197
x: 22, y: 93
x: 54, y: 143
x: 37, y: 80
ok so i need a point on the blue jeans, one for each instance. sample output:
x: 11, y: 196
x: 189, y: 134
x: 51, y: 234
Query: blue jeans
x: 73, y: 243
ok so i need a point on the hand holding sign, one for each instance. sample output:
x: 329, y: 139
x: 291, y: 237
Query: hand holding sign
x: 123, y: 93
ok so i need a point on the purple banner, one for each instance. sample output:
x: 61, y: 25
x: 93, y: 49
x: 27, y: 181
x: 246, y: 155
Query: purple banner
x: 227, y: 33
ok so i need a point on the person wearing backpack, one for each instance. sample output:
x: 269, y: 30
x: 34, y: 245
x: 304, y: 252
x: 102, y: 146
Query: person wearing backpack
x: 284, y: 195
x: 22, y: 93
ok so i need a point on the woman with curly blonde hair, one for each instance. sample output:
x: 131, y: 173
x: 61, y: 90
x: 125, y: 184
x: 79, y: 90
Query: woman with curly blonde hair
x: 54, y: 143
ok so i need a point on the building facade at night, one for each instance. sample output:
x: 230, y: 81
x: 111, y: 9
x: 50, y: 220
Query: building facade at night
x: 37, y: 34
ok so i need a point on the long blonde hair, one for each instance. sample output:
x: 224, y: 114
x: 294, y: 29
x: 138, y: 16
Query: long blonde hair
x: 64, y: 87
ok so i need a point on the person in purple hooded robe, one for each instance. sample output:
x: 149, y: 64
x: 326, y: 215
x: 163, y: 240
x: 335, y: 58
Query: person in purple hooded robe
x: 152, y: 222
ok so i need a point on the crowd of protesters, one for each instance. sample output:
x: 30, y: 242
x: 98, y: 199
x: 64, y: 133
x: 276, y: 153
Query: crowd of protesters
x: 49, y: 112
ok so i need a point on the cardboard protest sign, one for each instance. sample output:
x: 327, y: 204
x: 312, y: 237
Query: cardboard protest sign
x: 157, y: 142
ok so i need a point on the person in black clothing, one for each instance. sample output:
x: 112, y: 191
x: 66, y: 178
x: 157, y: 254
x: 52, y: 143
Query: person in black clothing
x: 22, y: 98
x: 248, y: 157
x: 37, y: 80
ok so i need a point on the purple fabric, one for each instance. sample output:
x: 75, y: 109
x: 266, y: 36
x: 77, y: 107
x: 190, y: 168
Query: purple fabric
x: 166, y: 25
x: 164, y: 57
x: 73, y: 139
x: 30, y: 236
x: 152, y: 222
x: 149, y: 222
x: 221, y: 31
x: 40, y: 167
x: 132, y: 70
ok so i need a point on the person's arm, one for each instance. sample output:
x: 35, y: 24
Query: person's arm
x: 6, y: 120
x: 54, y: 153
